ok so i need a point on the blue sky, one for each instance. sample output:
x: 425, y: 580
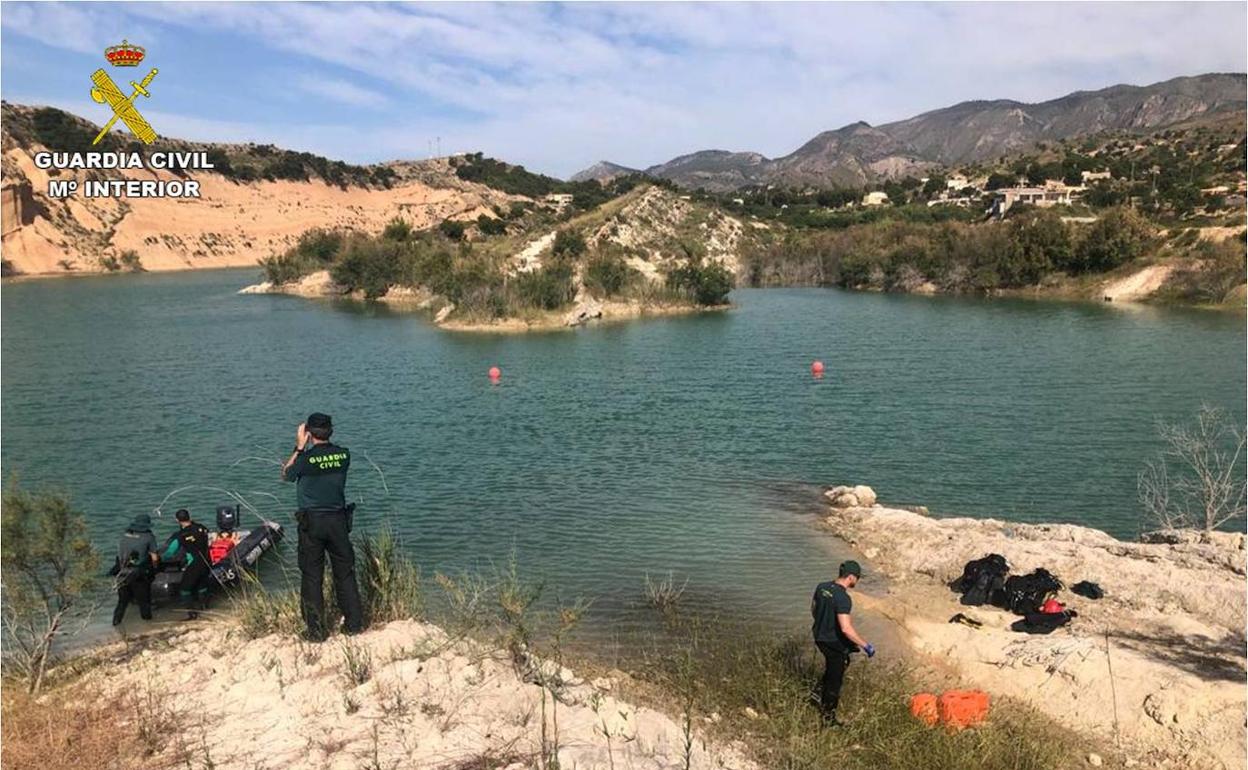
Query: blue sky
x: 559, y: 86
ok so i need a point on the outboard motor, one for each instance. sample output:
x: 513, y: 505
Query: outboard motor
x: 227, y: 518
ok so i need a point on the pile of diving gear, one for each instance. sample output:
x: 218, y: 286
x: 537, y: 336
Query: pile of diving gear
x: 233, y: 551
x: 987, y: 581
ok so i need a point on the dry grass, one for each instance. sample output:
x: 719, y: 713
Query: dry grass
x: 77, y: 726
x: 774, y: 676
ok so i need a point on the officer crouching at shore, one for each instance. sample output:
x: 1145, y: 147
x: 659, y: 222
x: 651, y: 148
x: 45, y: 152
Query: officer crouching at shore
x: 319, y: 470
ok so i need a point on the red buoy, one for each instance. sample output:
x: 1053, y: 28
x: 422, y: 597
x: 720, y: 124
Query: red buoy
x: 495, y: 373
x: 816, y: 367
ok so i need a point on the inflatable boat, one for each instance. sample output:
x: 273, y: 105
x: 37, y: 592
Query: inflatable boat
x: 233, y: 551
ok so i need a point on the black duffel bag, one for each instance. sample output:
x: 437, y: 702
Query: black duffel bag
x: 982, y: 580
x: 1023, y: 594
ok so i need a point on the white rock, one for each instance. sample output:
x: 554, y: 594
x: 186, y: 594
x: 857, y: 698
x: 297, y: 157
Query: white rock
x: 443, y: 314
x: 865, y: 495
x: 1095, y: 760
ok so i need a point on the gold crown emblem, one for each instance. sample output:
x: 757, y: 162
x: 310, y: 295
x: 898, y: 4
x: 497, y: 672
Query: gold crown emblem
x: 124, y: 55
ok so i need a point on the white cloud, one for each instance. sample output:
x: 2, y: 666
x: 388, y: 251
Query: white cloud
x: 78, y: 27
x: 338, y: 90
x: 559, y: 86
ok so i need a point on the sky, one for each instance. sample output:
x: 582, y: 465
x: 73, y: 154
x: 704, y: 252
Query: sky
x: 558, y: 87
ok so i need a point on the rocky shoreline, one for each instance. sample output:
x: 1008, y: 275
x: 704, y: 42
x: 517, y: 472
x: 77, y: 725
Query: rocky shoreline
x: 1155, y: 668
x: 585, y: 310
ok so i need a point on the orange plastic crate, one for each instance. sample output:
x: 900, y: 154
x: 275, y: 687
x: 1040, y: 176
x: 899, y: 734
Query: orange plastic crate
x: 923, y: 707
x: 963, y: 708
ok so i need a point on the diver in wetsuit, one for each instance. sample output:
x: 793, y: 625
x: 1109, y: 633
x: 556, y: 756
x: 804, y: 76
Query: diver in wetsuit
x: 192, y: 539
x: 319, y: 470
x: 134, y: 567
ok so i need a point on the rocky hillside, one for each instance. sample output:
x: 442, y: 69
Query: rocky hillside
x: 256, y: 203
x: 646, y: 251
x: 603, y: 171
x: 859, y: 154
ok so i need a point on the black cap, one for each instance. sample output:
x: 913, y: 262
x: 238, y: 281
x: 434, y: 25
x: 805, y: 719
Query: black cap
x: 182, y: 515
x: 851, y: 567
x: 318, y: 420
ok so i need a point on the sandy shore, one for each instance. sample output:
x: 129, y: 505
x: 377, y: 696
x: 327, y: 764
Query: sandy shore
x: 428, y: 700
x: 1157, y: 667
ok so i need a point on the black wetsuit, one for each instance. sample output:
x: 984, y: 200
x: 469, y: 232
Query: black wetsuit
x: 320, y: 473
x: 192, y: 540
x: 831, y: 599
x: 133, y: 569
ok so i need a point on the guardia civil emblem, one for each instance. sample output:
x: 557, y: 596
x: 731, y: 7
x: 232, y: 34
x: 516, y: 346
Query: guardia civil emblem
x: 107, y: 92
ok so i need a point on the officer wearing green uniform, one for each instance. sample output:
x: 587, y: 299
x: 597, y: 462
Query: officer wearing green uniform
x: 319, y: 470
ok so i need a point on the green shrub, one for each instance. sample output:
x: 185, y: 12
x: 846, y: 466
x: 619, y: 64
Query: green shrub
x: 1118, y: 237
x: 489, y: 225
x: 703, y: 281
x: 517, y: 180
x: 607, y: 274
x: 549, y: 288
x: 315, y: 250
x: 452, y: 229
x: 569, y: 244
x: 1040, y: 242
x: 397, y: 229
x: 61, y: 132
x: 1218, y: 268
x: 370, y: 265
x: 49, y: 573
x: 110, y: 263
x: 130, y: 260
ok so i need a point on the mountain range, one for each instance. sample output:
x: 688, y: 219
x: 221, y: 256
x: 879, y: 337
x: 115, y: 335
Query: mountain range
x: 859, y: 154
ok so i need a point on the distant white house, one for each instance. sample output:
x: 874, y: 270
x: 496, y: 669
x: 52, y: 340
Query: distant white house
x: 1093, y: 176
x: 956, y: 182
x: 738, y: 201
x: 559, y: 200
x: 876, y: 198
x: 1053, y: 193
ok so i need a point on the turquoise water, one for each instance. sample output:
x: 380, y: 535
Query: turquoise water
x: 692, y: 444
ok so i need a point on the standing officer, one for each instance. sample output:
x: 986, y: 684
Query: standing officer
x: 192, y: 540
x: 319, y: 470
x: 835, y: 635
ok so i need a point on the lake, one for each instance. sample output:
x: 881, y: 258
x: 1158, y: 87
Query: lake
x: 695, y: 444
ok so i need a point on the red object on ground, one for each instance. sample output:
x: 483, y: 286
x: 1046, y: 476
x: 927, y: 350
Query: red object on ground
x: 923, y: 707
x: 816, y: 367
x: 963, y: 708
x: 1052, y: 607
x: 220, y: 548
x: 495, y: 373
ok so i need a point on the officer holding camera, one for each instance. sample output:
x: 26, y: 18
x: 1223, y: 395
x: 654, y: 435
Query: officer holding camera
x: 319, y: 470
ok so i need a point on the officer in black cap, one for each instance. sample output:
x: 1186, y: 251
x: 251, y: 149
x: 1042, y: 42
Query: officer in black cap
x: 191, y: 541
x: 835, y: 635
x: 319, y: 469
